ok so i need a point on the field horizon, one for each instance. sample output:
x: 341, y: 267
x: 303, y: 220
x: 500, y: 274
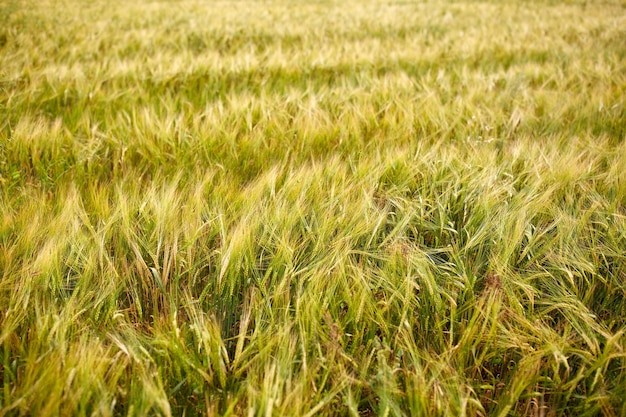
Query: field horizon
x: 290, y: 208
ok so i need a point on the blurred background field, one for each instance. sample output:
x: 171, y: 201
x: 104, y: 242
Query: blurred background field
x: 291, y: 208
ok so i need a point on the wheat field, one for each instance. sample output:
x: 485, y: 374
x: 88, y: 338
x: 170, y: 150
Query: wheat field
x: 312, y: 208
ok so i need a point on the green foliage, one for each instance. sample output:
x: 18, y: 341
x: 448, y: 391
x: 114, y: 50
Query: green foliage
x: 312, y: 208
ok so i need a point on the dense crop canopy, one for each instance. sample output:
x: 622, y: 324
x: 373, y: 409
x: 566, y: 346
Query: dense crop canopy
x: 306, y: 208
